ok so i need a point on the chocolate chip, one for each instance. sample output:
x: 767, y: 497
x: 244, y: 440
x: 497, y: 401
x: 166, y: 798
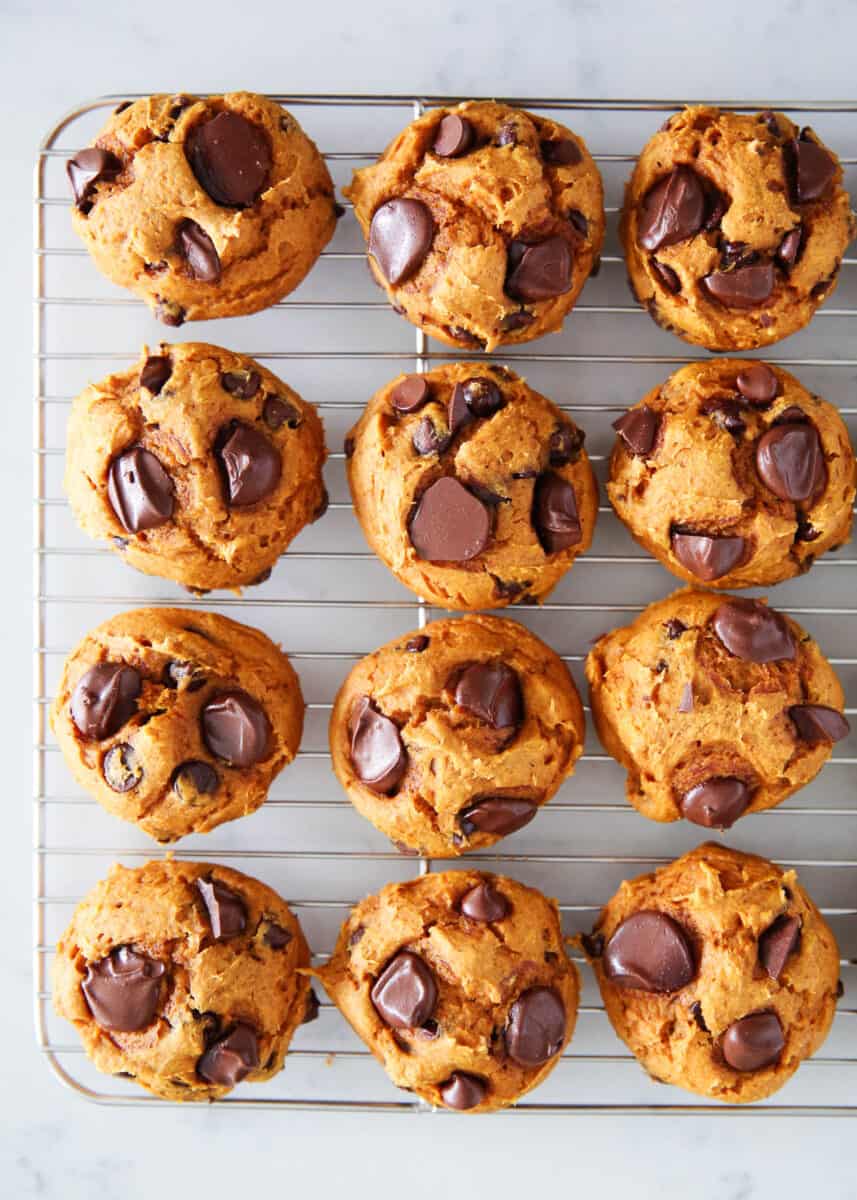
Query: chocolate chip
x: 717, y: 205
x: 770, y: 121
x: 251, y: 465
x: 377, y: 752
x: 492, y: 692
x: 169, y: 313
x: 104, y: 698
x: 716, y: 803
x: 743, y: 287
x: 356, y: 935
x: 540, y: 272
x: 685, y: 704
x: 231, y: 159
x: 753, y: 1042
x: 484, y: 903
x: 737, y: 254
x: 510, y: 589
x: 707, y: 556
x: 561, y: 152
x: 696, y: 1013
x: 554, y: 514
x: 649, y: 952
x: 193, y: 779
x: 121, y: 769
x: 277, y: 412
x: 500, y: 815
x: 227, y: 912
x: 156, y: 371
x: 779, y: 941
x: 275, y: 936
x: 666, y: 275
x: 428, y: 439
x: 417, y: 644
x: 671, y: 211
x: 311, y: 1009
x: 638, y: 429
x: 236, y: 729
x: 790, y: 247
x: 811, y: 169
x: 231, y: 1058
x: 400, y: 237
x: 516, y: 320
x: 405, y: 993
x: 454, y: 136
x: 752, y: 631
x: 199, y: 252
x: 123, y: 989
x: 819, y: 723
x: 758, y: 384
x: 725, y: 412
x: 243, y: 385
x: 88, y: 168
x: 536, y: 1027
x: 481, y: 396
x: 564, y: 447
x: 579, y: 221
x: 790, y: 461
x: 675, y: 628
x: 593, y: 944
x: 139, y: 490
x: 348, y: 447
x: 410, y: 394
x: 449, y: 523
x: 463, y: 1091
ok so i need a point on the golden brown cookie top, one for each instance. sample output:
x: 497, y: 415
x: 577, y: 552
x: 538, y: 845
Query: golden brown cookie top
x: 733, y: 474
x: 717, y: 706
x: 183, y: 976
x: 473, y: 488
x: 483, y: 222
x: 734, y: 226
x: 718, y: 971
x: 204, y: 207
x: 197, y: 463
x: 177, y: 720
x: 459, y: 984
x: 452, y: 736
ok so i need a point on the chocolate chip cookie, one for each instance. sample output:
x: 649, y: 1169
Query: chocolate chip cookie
x: 733, y: 474
x: 453, y: 736
x: 716, y: 707
x: 203, y: 207
x: 718, y: 972
x: 460, y: 986
x: 184, y: 977
x: 734, y: 227
x: 197, y: 465
x: 483, y: 223
x: 473, y: 489
x: 176, y: 720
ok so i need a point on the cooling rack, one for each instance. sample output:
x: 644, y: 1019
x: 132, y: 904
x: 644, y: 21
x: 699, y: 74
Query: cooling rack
x: 329, y: 601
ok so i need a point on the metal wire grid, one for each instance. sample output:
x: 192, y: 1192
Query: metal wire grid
x: 59, y: 610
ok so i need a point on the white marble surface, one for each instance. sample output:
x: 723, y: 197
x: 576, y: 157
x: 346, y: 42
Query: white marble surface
x: 51, y: 1143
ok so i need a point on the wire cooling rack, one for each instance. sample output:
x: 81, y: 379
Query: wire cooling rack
x: 330, y: 601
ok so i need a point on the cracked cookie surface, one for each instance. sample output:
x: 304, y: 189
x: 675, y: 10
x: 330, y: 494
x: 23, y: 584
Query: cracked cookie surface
x: 483, y: 223
x: 453, y: 736
x: 473, y: 488
x: 183, y: 976
x: 177, y: 720
x: 718, y: 972
x: 204, y: 208
x: 460, y: 986
x: 198, y: 464
x: 716, y: 706
x: 733, y: 489
x: 734, y: 227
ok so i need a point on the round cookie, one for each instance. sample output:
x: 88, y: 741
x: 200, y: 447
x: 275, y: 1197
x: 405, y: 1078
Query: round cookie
x: 483, y: 223
x: 453, y: 736
x: 474, y: 489
x: 460, y: 986
x: 176, y: 720
x: 716, y: 706
x: 187, y: 977
x: 203, y: 208
x: 718, y: 972
x: 198, y: 465
x: 734, y: 227
x: 732, y: 474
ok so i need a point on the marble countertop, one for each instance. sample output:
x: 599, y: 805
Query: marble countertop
x: 52, y: 1144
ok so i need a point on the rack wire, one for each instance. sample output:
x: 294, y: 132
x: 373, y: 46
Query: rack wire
x: 330, y: 601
